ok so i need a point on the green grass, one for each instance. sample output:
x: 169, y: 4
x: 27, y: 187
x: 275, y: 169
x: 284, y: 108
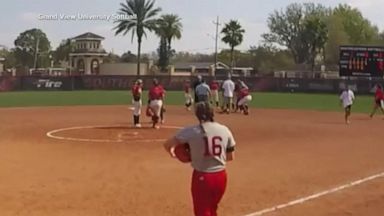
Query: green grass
x: 321, y: 102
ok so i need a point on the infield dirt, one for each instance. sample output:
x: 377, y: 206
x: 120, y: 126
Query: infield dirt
x: 281, y: 156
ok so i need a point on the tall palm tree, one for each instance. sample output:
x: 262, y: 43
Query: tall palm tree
x: 143, y: 17
x: 233, y: 36
x: 170, y: 27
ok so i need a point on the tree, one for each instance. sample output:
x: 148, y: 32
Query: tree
x: 112, y: 58
x: 336, y: 37
x: 9, y: 56
x: 62, y: 51
x: 128, y: 57
x: 32, y: 47
x: 143, y: 17
x: 298, y: 23
x: 192, y: 57
x: 347, y: 26
x: 233, y: 36
x: 266, y: 58
x: 169, y: 27
x: 316, y: 35
x: 225, y: 56
x: 359, y: 30
x: 163, y: 53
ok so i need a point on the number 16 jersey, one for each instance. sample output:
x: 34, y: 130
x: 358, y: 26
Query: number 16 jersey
x: 208, y: 143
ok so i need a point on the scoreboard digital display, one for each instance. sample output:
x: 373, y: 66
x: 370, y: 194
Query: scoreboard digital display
x: 364, y: 61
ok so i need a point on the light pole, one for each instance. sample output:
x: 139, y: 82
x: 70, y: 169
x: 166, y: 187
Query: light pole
x: 217, y: 23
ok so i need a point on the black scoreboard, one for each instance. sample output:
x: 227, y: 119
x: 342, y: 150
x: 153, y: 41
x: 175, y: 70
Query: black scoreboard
x: 365, y: 61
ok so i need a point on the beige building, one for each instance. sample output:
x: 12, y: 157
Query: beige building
x: 87, y: 54
x: 127, y: 69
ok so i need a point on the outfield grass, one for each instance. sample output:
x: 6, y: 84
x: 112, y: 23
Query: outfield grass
x: 322, y: 102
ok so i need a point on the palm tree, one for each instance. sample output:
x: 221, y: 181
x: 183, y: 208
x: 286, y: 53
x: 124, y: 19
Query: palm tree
x: 170, y: 27
x: 233, y: 36
x: 143, y: 17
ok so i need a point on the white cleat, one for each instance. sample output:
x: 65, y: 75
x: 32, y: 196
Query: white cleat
x: 137, y: 125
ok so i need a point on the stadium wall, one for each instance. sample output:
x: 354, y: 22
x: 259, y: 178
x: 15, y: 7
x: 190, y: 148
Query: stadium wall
x: 258, y: 84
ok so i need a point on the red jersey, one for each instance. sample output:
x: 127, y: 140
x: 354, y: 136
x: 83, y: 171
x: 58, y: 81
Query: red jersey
x: 136, y: 92
x: 243, y: 92
x: 187, y: 87
x: 156, y: 93
x: 379, y: 94
x: 214, y: 85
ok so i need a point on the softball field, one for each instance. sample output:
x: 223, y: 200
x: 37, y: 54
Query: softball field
x: 88, y: 161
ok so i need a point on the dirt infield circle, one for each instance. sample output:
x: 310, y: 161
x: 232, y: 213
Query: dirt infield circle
x: 115, y: 134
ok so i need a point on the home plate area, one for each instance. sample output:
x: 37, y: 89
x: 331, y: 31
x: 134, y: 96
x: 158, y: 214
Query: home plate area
x: 113, y: 133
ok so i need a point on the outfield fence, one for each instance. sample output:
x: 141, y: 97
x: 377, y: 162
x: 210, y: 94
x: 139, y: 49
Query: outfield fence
x: 174, y: 83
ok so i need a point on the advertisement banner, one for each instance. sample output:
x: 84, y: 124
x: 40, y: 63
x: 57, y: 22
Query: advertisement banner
x: 176, y: 83
x: 46, y: 83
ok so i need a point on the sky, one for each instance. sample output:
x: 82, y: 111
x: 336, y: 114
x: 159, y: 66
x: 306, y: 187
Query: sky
x: 197, y: 16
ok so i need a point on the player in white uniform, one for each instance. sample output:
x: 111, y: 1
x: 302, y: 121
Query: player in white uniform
x: 346, y: 98
x: 211, y: 144
x: 228, y: 91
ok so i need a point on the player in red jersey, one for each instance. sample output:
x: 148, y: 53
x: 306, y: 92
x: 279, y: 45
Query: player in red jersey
x: 187, y: 94
x: 239, y: 95
x: 211, y: 145
x: 214, y: 86
x: 379, y: 100
x: 244, y: 97
x: 156, y: 95
x: 137, y: 90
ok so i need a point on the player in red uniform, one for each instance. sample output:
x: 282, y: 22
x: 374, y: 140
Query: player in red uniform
x: 240, y: 85
x: 244, y: 97
x: 211, y: 145
x: 379, y: 100
x: 137, y: 90
x: 187, y: 94
x: 214, y: 86
x: 156, y: 95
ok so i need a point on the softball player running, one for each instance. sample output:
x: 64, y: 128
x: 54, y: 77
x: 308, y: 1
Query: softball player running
x: 347, y: 97
x: 211, y: 145
x: 379, y: 100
